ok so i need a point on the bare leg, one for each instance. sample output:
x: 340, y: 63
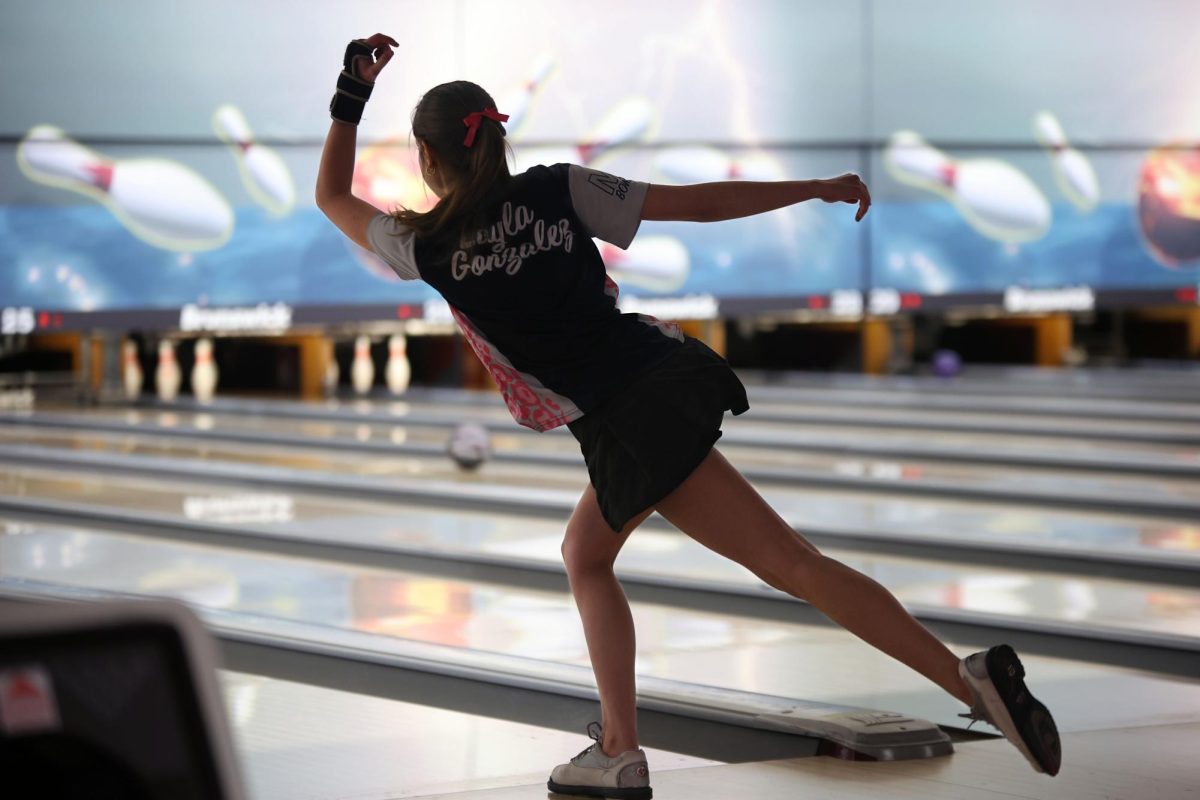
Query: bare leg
x: 589, y: 549
x: 719, y: 509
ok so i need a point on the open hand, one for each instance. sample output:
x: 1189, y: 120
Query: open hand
x: 381, y: 47
x: 847, y: 188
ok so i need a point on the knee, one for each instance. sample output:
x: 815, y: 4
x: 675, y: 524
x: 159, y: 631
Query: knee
x: 582, y: 560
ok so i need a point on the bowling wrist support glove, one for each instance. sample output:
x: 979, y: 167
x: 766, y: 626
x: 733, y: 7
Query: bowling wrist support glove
x: 352, y: 92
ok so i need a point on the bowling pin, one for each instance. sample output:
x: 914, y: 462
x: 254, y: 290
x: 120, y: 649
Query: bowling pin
x: 702, y: 164
x: 362, y: 370
x: 331, y: 376
x: 166, y: 375
x: 627, y: 122
x: 518, y: 102
x: 398, y: 372
x: 264, y: 174
x: 657, y: 263
x: 1072, y: 170
x: 204, y: 372
x: 131, y: 370
x: 162, y: 202
x: 994, y: 197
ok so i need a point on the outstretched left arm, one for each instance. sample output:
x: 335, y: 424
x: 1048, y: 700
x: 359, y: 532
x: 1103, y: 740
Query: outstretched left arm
x: 336, y: 172
x: 712, y: 202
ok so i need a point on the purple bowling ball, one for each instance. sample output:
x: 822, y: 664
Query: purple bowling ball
x: 946, y: 364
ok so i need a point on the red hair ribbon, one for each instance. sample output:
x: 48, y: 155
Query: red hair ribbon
x: 473, y: 120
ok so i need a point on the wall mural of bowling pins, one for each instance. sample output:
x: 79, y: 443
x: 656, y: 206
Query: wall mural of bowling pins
x: 1072, y: 170
x: 628, y: 122
x: 657, y: 263
x: 519, y: 102
x: 160, y: 201
x: 264, y: 174
x: 694, y: 100
x: 703, y: 164
x: 994, y: 197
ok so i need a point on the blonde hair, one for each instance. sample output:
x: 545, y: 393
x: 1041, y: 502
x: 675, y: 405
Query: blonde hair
x: 471, y: 172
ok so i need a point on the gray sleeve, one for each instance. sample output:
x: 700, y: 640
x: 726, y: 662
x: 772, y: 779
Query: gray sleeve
x: 392, y: 241
x: 608, y: 206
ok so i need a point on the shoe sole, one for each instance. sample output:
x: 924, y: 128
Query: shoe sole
x: 638, y: 793
x: 1009, y: 665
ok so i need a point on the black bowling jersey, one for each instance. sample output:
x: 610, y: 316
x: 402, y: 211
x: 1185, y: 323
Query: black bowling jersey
x: 530, y: 292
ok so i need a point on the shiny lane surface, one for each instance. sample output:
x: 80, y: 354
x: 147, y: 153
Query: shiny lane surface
x: 1086, y: 384
x: 931, y: 402
x: 996, y: 591
x: 775, y: 405
x: 931, y: 399
x: 880, y: 512
x: 508, y: 436
x: 898, y: 515
x: 821, y: 664
x: 884, y: 473
x: 819, y: 414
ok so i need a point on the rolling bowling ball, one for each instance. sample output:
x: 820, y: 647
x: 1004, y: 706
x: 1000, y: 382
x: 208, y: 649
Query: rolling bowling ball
x: 469, y: 446
x: 1169, y: 205
x: 946, y: 364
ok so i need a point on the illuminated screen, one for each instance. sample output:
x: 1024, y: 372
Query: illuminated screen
x: 171, y: 159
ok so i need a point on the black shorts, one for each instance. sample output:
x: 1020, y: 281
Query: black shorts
x: 641, y: 444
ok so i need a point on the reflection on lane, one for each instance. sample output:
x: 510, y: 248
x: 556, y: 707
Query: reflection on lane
x: 568, y: 476
x: 938, y: 418
x: 650, y: 553
x: 1084, y: 384
x: 878, y: 512
x: 1104, y: 486
x: 784, y: 400
x: 788, y: 398
x: 821, y: 410
x: 788, y: 660
x: 758, y: 437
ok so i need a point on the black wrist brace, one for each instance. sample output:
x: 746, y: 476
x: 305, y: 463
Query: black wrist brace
x: 352, y: 93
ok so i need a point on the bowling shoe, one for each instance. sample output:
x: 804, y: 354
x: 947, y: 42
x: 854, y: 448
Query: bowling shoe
x: 1000, y: 698
x: 594, y: 774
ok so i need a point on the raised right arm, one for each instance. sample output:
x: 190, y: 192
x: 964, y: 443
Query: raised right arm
x: 711, y: 202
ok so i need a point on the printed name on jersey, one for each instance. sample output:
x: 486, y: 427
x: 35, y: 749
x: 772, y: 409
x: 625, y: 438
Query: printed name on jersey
x: 610, y: 184
x: 510, y: 258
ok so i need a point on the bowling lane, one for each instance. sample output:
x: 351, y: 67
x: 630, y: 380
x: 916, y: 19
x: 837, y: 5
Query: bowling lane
x: 817, y: 663
x: 773, y: 444
x: 830, y: 513
x: 1080, y: 407
x: 767, y: 467
x: 652, y: 554
x: 775, y: 414
x: 937, y: 416
x: 764, y: 397
x: 1174, y: 385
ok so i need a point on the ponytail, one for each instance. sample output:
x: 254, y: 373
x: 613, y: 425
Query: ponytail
x: 474, y: 171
